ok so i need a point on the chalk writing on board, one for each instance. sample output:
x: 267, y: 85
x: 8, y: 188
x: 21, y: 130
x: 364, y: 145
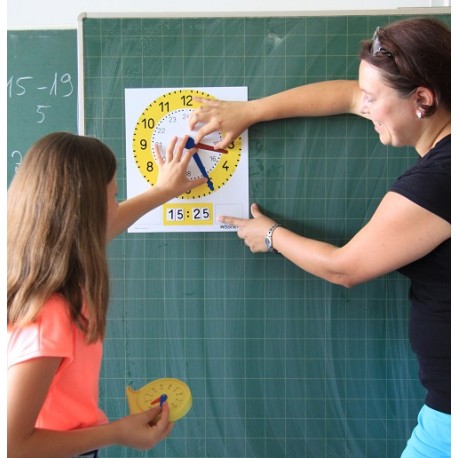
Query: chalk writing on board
x: 41, y: 89
x: 17, y: 156
x: 59, y: 85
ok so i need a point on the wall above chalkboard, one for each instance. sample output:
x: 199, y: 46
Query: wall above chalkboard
x: 41, y: 88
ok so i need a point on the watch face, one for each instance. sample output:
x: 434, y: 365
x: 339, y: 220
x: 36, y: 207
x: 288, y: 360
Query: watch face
x: 168, y: 116
x: 268, y: 242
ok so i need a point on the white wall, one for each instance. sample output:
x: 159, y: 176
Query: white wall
x: 33, y: 14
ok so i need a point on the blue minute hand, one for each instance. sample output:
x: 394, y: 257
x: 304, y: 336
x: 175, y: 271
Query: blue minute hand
x: 203, y: 171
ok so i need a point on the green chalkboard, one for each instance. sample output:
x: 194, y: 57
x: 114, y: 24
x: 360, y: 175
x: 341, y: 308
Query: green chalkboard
x: 41, y: 88
x: 281, y: 364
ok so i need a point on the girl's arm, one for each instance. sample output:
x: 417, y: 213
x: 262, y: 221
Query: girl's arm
x: 28, y: 384
x: 316, y: 99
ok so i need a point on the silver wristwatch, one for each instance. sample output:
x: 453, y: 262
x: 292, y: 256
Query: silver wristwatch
x: 268, y: 239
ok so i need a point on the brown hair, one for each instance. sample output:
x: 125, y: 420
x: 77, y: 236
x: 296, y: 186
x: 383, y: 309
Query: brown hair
x: 56, y: 236
x: 415, y: 53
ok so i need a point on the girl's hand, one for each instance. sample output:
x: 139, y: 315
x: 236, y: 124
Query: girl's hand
x: 144, y: 430
x: 172, y: 181
x: 172, y: 170
x: 252, y: 231
x: 232, y: 118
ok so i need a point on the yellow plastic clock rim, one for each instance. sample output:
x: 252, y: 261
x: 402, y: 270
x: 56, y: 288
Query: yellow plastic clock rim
x: 179, y: 398
x: 151, y: 117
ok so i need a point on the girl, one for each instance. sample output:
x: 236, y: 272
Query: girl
x: 62, y: 211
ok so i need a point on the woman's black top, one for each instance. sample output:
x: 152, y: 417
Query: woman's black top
x: 428, y: 184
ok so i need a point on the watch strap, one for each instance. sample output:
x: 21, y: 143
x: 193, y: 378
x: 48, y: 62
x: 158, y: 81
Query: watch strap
x: 268, y: 239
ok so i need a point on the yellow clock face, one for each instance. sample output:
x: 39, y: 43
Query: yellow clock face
x: 168, y: 116
x: 178, y: 394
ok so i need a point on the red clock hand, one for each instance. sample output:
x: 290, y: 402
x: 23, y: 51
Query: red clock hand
x: 192, y: 144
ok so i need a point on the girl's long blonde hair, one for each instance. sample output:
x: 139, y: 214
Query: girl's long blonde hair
x: 57, y: 226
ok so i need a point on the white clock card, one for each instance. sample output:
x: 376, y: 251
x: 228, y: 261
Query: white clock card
x: 155, y: 115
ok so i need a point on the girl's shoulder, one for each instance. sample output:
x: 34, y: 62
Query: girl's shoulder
x: 51, y: 334
x: 57, y: 308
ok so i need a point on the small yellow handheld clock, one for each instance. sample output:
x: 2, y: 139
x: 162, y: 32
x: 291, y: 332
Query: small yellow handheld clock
x: 176, y: 392
x: 168, y: 116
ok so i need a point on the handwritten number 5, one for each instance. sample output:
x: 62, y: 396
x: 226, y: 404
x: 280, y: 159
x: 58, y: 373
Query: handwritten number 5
x: 40, y: 111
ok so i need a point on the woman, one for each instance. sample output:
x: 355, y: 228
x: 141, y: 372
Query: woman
x: 62, y: 210
x: 404, y: 89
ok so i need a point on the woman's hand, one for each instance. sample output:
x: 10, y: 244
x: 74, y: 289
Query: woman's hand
x: 252, y: 231
x: 231, y: 118
x: 172, y: 177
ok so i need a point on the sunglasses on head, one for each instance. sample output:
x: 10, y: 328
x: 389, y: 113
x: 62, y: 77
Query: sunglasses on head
x: 377, y: 47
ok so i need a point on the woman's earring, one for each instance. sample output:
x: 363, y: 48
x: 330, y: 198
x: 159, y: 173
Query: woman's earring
x: 419, y: 114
